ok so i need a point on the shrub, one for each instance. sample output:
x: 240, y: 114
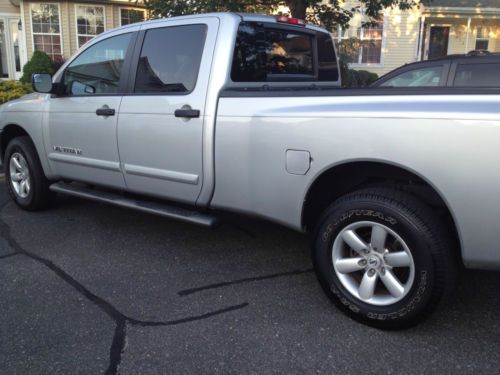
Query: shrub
x: 356, y: 78
x: 366, y: 78
x: 40, y: 62
x: 10, y: 90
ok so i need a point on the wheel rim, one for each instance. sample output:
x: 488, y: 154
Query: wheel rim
x: 19, y: 175
x: 373, y: 263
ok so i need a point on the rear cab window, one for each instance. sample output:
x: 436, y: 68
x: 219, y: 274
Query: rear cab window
x: 271, y: 53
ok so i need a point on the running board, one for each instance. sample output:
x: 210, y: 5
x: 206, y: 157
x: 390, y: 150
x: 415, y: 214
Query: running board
x: 160, y: 209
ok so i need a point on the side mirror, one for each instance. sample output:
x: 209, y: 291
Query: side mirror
x: 42, y: 82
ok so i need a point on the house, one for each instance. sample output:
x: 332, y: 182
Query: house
x: 58, y: 28
x: 434, y: 29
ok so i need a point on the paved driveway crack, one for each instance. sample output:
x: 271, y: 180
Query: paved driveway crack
x: 8, y: 255
x: 121, y: 320
x: 186, y: 292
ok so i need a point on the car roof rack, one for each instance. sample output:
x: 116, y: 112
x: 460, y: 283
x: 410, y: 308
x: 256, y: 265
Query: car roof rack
x: 479, y: 52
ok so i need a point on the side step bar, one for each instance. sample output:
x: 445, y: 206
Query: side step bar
x: 161, y: 209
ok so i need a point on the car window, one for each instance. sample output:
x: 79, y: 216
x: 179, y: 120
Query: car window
x: 429, y: 76
x: 170, y: 59
x: 267, y: 54
x: 97, y: 69
x: 327, y: 60
x: 477, y: 75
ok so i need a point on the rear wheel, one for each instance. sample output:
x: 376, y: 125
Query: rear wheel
x: 383, y: 258
x: 26, y: 182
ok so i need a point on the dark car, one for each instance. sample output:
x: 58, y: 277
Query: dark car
x: 476, y: 69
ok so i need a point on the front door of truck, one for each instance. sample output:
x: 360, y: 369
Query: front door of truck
x: 160, y: 126
x: 82, y: 118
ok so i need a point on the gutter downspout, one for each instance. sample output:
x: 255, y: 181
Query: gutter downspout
x: 467, y: 35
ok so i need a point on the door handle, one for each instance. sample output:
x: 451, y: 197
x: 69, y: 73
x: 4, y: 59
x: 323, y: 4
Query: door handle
x: 187, y: 113
x: 105, y: 111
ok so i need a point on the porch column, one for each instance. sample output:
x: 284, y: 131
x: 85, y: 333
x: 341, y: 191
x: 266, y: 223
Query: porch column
x: 467, y: 35
x: 421, y: 42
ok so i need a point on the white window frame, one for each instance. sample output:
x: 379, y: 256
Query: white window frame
x: 487, y: 39
x: 76, y: 5
x: 52, y: 34
x: 383, y: 38
x: 129, y: 8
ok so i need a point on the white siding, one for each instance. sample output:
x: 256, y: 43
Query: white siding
x: 68, y: 21
x: 7, y: 7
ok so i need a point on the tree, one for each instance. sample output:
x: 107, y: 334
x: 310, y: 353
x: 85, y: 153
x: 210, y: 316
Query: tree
x: 328, y: 14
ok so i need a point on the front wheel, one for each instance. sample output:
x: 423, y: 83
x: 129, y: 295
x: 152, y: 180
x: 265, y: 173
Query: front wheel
x: 26, y: 181
x: 383, y: 258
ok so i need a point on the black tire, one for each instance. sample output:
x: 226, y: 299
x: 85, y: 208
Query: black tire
x: 39, y: 196
x: 426, y: 239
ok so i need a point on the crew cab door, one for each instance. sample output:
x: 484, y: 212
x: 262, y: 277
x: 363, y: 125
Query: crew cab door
x: 82, y: 118
x: 160, y: 126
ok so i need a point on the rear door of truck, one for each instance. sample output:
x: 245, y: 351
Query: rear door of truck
x: 160, y: 124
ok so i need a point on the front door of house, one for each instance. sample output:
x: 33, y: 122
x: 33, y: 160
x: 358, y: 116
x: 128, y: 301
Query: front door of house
x: 438, y: 41
x: 11, y: 48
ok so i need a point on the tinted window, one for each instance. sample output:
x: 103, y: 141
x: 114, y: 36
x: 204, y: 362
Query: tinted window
x: 430, y: 76
x: 97, y: 69
x: 170, y: 59
x: 327, y: 61
x: 288, y: 53
x: 478, y: 75
x: 265, y: 54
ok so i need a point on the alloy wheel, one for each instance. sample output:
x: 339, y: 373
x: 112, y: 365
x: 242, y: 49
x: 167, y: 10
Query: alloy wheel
x: 373, y: 263
x: 19, y: 175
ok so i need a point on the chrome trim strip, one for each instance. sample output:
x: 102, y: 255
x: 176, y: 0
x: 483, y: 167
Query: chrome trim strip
x: 86, y: 162
x: 186, y: 178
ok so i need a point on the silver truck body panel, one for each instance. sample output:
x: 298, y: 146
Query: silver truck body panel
x: 28, y: 112
x: 72, y: 123
x: 449, y: 141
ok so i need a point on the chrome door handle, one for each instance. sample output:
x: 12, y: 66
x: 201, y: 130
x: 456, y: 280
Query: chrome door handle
x: 105, y: 111
x: 187, y: 113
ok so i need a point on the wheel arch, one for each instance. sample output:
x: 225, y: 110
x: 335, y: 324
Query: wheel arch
x: 13, y: 130
x: 336, y: 180
x: 8, y: 133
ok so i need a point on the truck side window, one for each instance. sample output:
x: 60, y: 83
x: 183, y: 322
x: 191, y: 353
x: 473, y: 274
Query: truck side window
x: 267, y: 54
x: 170, y: 59
x: 97, y: 69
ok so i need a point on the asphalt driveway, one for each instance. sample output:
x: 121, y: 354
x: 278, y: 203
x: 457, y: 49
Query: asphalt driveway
x: 87, y: 288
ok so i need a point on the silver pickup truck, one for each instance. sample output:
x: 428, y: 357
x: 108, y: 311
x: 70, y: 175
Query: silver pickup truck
x: 187, y: 117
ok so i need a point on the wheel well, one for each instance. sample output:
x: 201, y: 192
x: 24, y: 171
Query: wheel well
x: 346, y: 178
x: 10, y: 132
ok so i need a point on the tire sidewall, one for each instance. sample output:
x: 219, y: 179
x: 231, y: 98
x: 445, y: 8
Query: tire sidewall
x: 414, y: 235
x: 17, y: 147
